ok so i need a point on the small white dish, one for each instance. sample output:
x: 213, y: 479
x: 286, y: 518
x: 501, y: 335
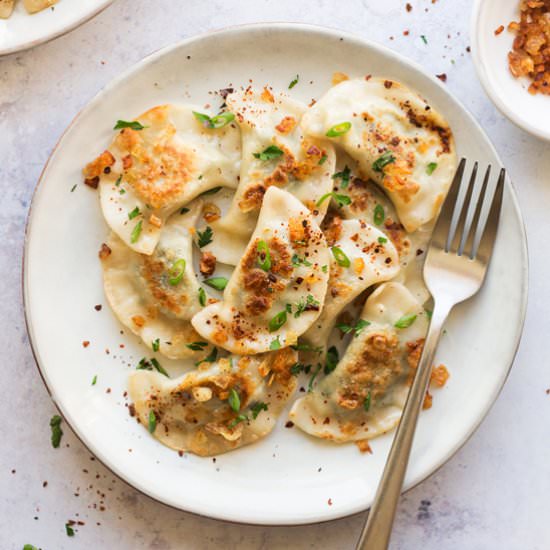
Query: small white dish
x: 288, y: 477
x: 23, y: 30
x: 490, y: 55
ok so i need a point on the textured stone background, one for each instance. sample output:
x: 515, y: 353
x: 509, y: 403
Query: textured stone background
x: 493, y: 494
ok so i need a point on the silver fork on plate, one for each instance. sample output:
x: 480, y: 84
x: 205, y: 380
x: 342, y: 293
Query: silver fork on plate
x: 455, y: 268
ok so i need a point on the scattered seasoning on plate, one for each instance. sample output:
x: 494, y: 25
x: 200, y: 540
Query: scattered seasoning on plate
x: 57, y: 432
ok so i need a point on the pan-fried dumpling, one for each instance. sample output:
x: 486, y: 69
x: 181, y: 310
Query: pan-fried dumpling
x: 156, y: 295
x: 278, y: 289
x: 33, y: 6
x: 274, y: 153
x: 6, y: 7
x: 361, y: 257
x: 399, y: 141
x: 160, y: 162
x: 365, y: 394
x: 210, y: 411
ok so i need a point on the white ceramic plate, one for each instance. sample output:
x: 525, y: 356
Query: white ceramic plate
x: 22, y: 30
x: 490, y: 54
x: 287, y: 478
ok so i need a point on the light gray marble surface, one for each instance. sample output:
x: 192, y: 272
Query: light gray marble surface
x: 494, y: 493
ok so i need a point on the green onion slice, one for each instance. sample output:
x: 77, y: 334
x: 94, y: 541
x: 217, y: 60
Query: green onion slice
x: 264, y: 256
x: 278, y: 321
x: 339, y: 129
x: 136, y: 232
x: 340, y: 256
x: 234, y: 400
x: 379, y: 214
x: 175, y: 275
x: 219, y: 283
x: 406, y: 321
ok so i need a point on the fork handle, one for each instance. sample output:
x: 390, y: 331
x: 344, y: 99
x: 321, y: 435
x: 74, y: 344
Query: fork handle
x: 377, y: 529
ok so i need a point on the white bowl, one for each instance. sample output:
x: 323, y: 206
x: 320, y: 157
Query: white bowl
x: 490, y: 55
x: 288, y: 477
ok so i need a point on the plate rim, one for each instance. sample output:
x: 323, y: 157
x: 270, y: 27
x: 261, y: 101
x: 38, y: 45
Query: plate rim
x: 292, y: 27
x: 48, y: 37
x: 496, y: 98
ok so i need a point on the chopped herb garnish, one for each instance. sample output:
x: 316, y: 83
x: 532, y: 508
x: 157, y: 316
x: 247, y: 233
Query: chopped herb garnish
x: 134, y: 125
x: 94, y: 380
x: 278, y: 321
x: 344, y: 175
x: 73, y: 187
x: 234, y: 400
x: 136, y: 232
x: 340, y: 256
x: 406, y: 321
x: 197, y: 346
x: 366, y: 404
x: 323, y: 159
x: 383, y: 160
x: 264, y: 257
x: 29, y: 547
x: 155, y: 344
x: 270, y: 153
x: 382, y: 240
x: 429, y: 313
x: 341, y: 200
x: 218, y: 121
x: 331, y: 360
x: 339, y: 129
x: 346, y: 329
x: 294, y: 82
x: 152, y: 421
x: 240, y: 418
x: 257, y: 408
x: 275, y: 344
x: 57, y: 432
x: 159, y: 367
x: 424, y: 39
x: 297, y: 368
x: 309, y: 304
x: 379, y: 214
x: 360, y: 326
x: 210, y: 358
x: 184, y: 210
x: 69, y: 530
x: 312, y: 379
x: 297, y: 261
x: 219, y: 283
x: 324, y: 268
x: 122, y: 191
x: 202, y: 297
x: 135, y: 212
x: 212, y: 191
x: 118, y: 180
x: 306, y: 347
x: 205, y: 237
x: 176, y: 272
x: 431, y: 168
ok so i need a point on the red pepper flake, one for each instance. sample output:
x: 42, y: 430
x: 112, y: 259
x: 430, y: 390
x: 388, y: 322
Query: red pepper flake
x: 405, y: 33
x: 330, y: 502
x: 98, y: 307
x: 85, y: 344
x: 108, y: 390
x: 132, y: 409
x: 180, y: 453
x: 45, y: 484
x: 408, y: 7
x: 92, y: 182
x: 289, y: 424
x: 548, y: 391
x: 468, y: 49
x: 104, y: 251
x: 442, y: 77
x: 499, y: 30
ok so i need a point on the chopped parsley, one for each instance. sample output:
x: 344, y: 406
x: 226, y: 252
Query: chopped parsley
x: 29, y: 547
x: 358, y: 328
x: 339, y: 129
x: 429, y: 313
x: 382, y: 240
x: 341, y: 200
x: 150, y: 364
x: 294, y: 82
x: 323, y: 159
x: 134, y: 125
x: 234, y: 400
x: 94, y: 380
x: 309, y: 304
x: 240, y: 418
x: 156, y: 345
x: 275, y: 344
x: 264, y: 256
x: 184, y: 210
x: 312, y: 379
x: 134, y: 213
x: 382, y: 161
x: 379, y: 214
x: 57, y: 432
x: 344, y: 176
x: 297, y: 368
x: 406, y: 321
x: 215, y: 122
x: 159, y: 367
x: 270, y: 153
x: 212, y: 191
x: 257, y: 408
x: 202, y: 297
x: 118, y: 180
x: 431, y: 168
x: 73, y: 187
x: 340, y: 256
x: 366, y: 403
x: 297, y: 261
x: 197, y: 346
x: 331, y: 360
x: 136, y: 232
x: 219, y: 283
x: 278, y: 321
x: 210, y: 358
x: 205, y: 237
x: 69, y: 530
x: 424, y: 39
x: 152, y: 421
x: 307, y: 347
x: 324, y: 268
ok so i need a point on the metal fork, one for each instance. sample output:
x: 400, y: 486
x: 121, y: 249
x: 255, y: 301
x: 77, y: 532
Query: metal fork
x: 455, y: 268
